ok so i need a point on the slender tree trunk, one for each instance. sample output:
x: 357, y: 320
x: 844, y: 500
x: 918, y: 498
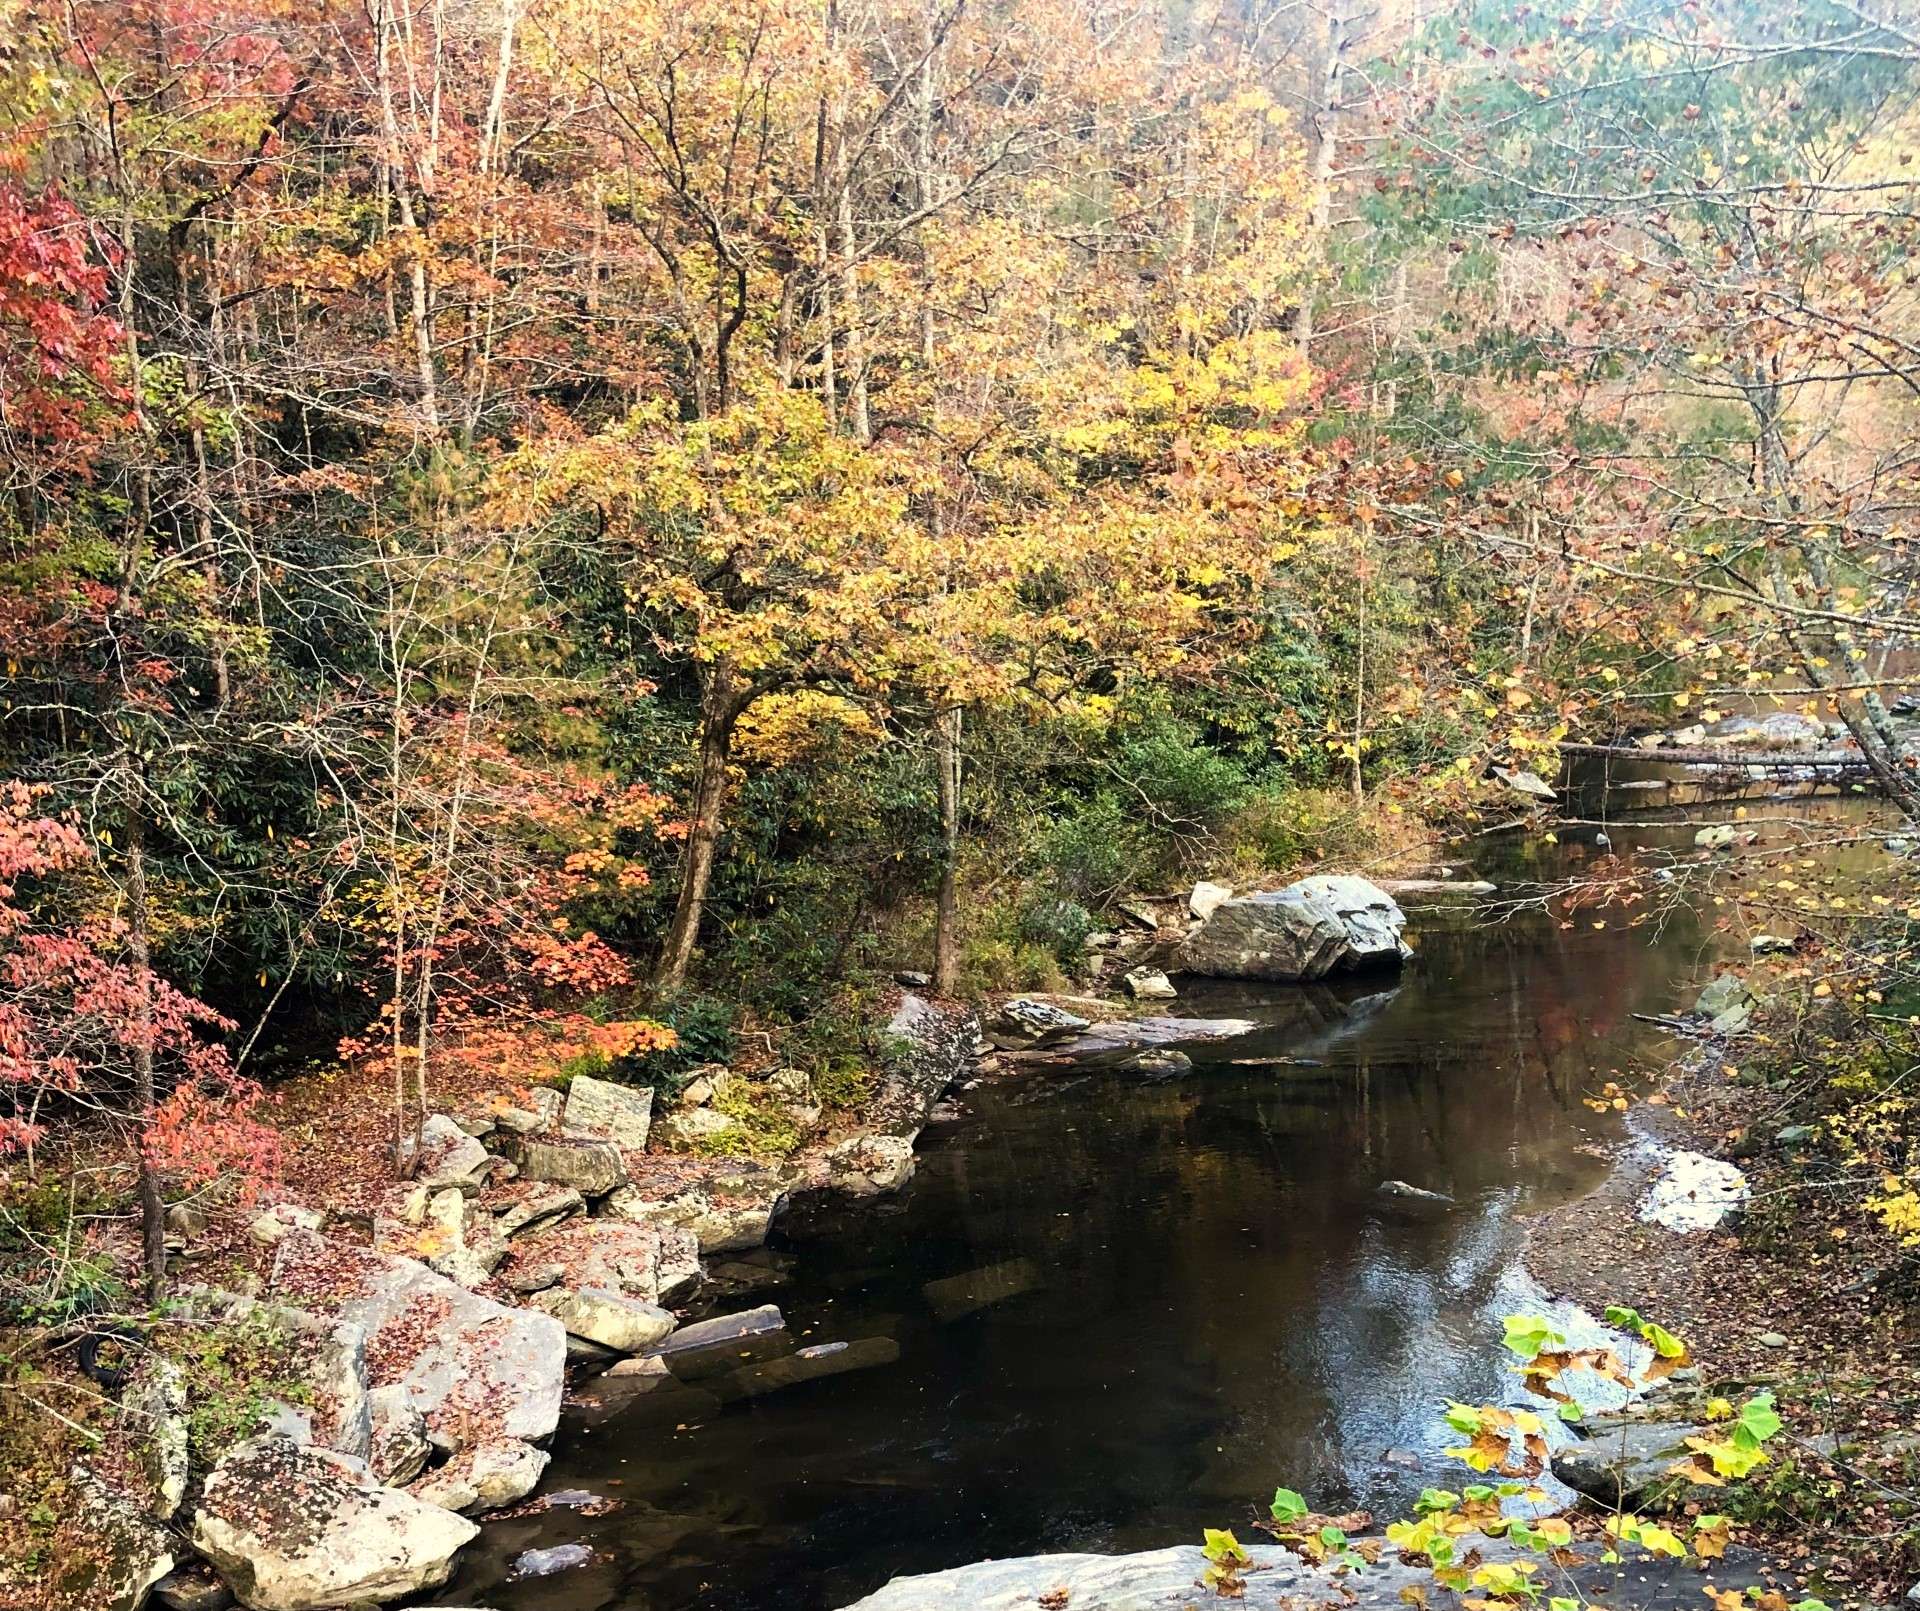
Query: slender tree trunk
x: 153, y: 1210
x: 946, y: 910
x: 1328, y: 88
x: 720, y: 708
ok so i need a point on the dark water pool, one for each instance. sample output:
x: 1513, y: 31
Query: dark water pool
x: 1107, y: 1313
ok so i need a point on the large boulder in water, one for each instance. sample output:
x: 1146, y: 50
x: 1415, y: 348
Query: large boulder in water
x: 1329, y: 924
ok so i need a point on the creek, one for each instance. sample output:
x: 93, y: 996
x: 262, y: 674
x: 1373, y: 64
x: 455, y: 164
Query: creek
x: 1106, y: 1313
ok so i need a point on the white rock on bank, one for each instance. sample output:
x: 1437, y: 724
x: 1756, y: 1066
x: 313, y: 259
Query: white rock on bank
x: 1693, y: 1193
x: 304, y: 1529
x: 1207, y: 898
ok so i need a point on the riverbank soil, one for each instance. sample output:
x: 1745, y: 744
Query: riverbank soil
x: 1801, y: 1293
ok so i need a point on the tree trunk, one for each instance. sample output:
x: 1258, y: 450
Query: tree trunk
x: 946, y: 911
x: 153, y: 1211
x: 1325, y: 118
x: 720, y: 706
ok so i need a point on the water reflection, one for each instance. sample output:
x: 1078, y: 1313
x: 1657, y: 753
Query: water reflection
x: 1108, y: 1312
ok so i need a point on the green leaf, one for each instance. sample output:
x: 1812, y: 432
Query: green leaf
x: 1288, y: 1505
x: 1332, y: 1537
x: 1665, y: 1344
x: 1758, y: 1419
x: 1223, y: 1549
x: 1463, y: 1418
x: 1433, y: 1499
x: 1528, y: 1334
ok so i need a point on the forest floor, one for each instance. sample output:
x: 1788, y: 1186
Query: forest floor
x: 1786, y: 1296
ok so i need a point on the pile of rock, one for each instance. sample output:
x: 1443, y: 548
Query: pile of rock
x: 435, y: 1352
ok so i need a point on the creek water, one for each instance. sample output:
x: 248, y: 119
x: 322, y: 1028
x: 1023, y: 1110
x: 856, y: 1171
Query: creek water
x: 1107, y: 1313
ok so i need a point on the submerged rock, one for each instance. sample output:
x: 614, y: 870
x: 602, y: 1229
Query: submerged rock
x: 956, y: 1295
x: 1157, y: 1063
x: 293, y: 1529
x: 545, y: 1562
x: 1417, y: 1194
x: 1308, y: 930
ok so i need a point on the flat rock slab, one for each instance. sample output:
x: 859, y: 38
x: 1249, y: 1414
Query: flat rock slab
x: 1117, y: 1038
x: 724, y: 1329
x: 472, y: 1367
x: 1169, y: 1580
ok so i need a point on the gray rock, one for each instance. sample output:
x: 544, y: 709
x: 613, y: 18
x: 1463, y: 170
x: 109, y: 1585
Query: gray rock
x: 1148, y: 984
x: 536, y: 1276
x: 536, y: 1203
x: 472, y: 1367
x: 1625, y: 1461
x: 156, y: 1404
x: 192, y: 1587
x: 1205, y: 899
x: 913, y: 980
x: 592, y: 1168
x: 448, y: 1156
x: 1716, y: 836
x: 297, y: 1529
x: 132, y: 1552
x: 1771, y: 1339
x: 398, y: 1449
x: 655, y: 1263
x: 484, y: 1476
x: 1769, y: 944
x: 926, y: 1046
x: 1306, y: 931
x: 717, y: 1225
x: 1156, y: 1580
x: 541, y: 1112
x: 609, y: 1319
x: 268, y: 1227
x: 685, y: 1129
x: 1795, y: 1135
x: 186, y: 1220
x: 869, y: 1165
x: 1115, y: 1039
x: 602, y: 1110
x: 1024, y: 1022
x: 1727, y: 1004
